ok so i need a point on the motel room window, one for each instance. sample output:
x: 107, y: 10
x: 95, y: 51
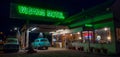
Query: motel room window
x: 78, y: 37
x: 87, y: 36
x: 103, y: 35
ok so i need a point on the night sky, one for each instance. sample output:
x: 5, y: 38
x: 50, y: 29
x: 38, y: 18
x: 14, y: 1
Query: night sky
x: 70, y: 6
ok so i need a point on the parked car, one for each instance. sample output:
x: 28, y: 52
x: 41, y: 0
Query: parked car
x: 1, y: 45
x: 11, y: 45
x: 41, y: 43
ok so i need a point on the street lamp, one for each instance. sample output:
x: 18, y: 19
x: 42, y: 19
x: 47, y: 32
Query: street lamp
x: 15, y: 28
x: 33, y: 29
x: 29, y: 45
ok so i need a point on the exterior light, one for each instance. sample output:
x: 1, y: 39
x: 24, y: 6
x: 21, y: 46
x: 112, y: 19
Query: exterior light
x: 80, y: 38
x: 15, y: 28
x: 109, y: 38
x: 98, y: 37
x: 105, y: 29
x: 33, y: 29
x: 78, y: 32
x: 1, y: 32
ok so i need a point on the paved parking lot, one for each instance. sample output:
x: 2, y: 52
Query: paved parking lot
x: 50, y: 49
x: 54, y: 52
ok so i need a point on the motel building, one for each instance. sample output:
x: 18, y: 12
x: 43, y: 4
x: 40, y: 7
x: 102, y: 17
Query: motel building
x: 95, y: 30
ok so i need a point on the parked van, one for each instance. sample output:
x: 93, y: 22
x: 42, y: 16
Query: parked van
x: 41, y: 43
x: 11, y: 45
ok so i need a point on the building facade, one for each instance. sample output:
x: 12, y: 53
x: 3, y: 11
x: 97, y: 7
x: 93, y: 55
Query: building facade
x: 97, y: 29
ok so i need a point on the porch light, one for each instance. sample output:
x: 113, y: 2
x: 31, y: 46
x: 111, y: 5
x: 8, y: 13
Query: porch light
x: 78, y: 32
x: 80, y: 38
x: 109, y: 38
x: 105, y: 29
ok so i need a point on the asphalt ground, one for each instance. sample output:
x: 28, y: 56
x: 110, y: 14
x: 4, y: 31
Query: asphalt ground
x: 55, y: 52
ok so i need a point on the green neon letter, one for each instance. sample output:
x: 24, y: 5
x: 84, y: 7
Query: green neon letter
x: 88, y: 25
x: 40, y: 12
x: 31, y: 11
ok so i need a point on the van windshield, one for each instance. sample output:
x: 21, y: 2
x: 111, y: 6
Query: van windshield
x: 44, y: 40
x: 11, y: 41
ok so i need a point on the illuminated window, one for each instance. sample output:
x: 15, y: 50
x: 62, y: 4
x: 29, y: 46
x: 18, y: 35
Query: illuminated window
x: 87, y: 36
x: 103, y: 35
x: 77, y: 36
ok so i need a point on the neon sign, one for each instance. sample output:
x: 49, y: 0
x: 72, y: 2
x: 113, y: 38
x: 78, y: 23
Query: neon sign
x: 40, y: 12
x: 88, y: 25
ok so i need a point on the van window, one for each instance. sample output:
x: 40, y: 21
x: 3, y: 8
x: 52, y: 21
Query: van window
x: 11, y: 41
x: 44, y: 40
x: 36, y: 40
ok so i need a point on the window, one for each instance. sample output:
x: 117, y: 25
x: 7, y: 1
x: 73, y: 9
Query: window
x: 77, y: 37
x: 87, y: 36
x: 44, y: 40
x: 36, y: 40
x: 103, y: 35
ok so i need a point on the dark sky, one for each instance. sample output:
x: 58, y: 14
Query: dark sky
x: 71, y: 7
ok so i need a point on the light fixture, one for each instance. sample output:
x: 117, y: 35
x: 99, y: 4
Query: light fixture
x: 98, y: 37
x: 80, y: 38
x: 33, y: 29
x: 109, y: 38
x: 78, y: 32
x: 105, y: 29
x: 1, y: 32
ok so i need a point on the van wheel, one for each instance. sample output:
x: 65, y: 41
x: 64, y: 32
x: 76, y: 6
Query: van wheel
x: 39, y: 48
x: 46, y: 48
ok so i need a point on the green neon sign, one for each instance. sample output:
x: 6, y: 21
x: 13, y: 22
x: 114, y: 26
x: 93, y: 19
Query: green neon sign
x: 40, y: 12
x: 88, y: 25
